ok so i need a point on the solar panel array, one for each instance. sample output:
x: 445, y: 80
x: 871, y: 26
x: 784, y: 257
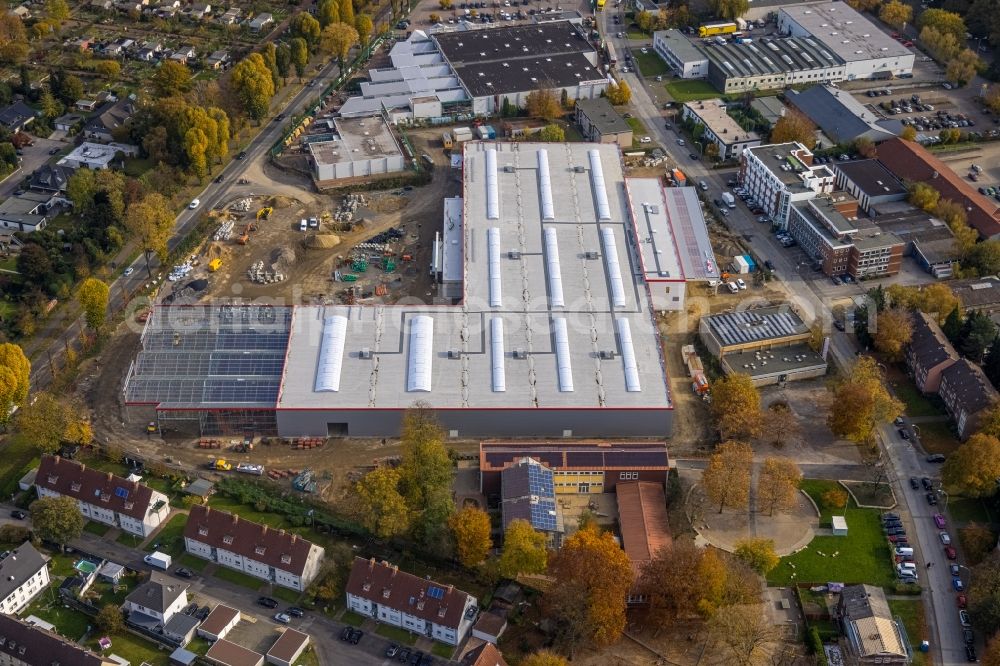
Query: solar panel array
x: 579, y: 457
x: 228, y: 356
x: 435, y: 592
x: 540, y: 481
x: 753, y: 326
x: 543, y: 515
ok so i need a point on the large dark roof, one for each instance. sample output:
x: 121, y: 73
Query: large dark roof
x: 840, y: 117
x: 981, y: 292
x: 92, y: 486
x: 973, y: 391
x: 18, y: 566
x: 873, y: 178
x: 495, y: 456
x: 16, y: 115
x: 928, y: 344
x: 158, y: 593
x: 495, y: 77
x: 40, y: 647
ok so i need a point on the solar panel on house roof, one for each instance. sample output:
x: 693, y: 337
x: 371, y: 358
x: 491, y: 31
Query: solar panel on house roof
x: 635, y: 459
x: 584, y: 458
x: 540, y: 481
x: 543, y: 515
x: 435, y: 592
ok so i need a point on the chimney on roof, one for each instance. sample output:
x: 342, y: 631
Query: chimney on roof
x: 451, y: 588
x: 109, y: 476
x: 236, y: 519
x: 395, y: 570
x: 295, y: 537
x: 265, y: 530
x: 371, y: 564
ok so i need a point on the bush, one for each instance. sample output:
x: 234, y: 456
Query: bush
x: 14, y: 534
x: 977, y: 542
x: 834, y: 499
x: 815, y: 645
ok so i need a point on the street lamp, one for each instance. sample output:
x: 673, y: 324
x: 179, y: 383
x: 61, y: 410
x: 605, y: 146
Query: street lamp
x: 941, y: 491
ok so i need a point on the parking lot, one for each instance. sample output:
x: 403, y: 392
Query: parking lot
x: 505, y: 12
x: 32, y: 157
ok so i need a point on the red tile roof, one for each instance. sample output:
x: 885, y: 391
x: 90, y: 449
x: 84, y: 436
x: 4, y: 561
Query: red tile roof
x: 386, y: 585
x: 642, y: 513
x: 912, y: 162
x: 31, y: 645
x: 92, y: 486
x: 218, y: 619
x: 278, y: 548
x: 486, y: 654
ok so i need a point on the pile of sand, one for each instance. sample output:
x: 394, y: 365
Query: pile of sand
x: 282, y: 258
x: 321, y: 241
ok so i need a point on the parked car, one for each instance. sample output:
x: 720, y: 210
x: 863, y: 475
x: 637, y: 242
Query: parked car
x: 392, y: 650
x: 890, y: 516
x: 945, y: 538
x: 267, y: 602
x: 962, y: 601
x: 345, y: 633
x: 970, y: 654
x: 926, y: 483
x: 403, y: 655
x: 932, y: 499
x: 914, y: 483
x: 904, y: 434
x: 128, y: 271
x: 957, y: 584
x: 356, y: 635
x: 963, y: 617
x: 939, y: 521
x: 954, y: 569
x: 194, y: 204
x: 949, y: 552
x: 183, y: 573
x: 295, y: 611
x: 17, y: 513
x: 839, y: 325
x: 935, y: 458
x: 768, y: 264
x: 968, y: 636
x: 283, y: 618
x: 740, y: 283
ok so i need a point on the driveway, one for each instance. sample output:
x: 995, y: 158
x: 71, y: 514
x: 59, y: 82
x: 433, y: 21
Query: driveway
x: 33, y: 157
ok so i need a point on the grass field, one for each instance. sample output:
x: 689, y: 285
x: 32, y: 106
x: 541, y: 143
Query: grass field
x: 17, y: 457
x: 911, y: 613
x: 862, y: 557
x: 69, y: 622
x: 132, y: 648
x: 94, y: 527
x: 283, y: 593
x: 238, y: 577
x: 129, y: 539
x: 352, y: 618
x: 937, y: 437
x: 191, y: 562
x: 815, y: 489
x: 442, y: 650
x: 396, y: 634
x: 170, y: 538
x: 916, y: 403
x: 650, y: 64
x: 638, y: 131
x: 681, y: 90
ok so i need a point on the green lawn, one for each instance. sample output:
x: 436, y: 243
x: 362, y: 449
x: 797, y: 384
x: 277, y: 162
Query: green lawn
x: 17, y: 458
x: 69, y: 622
x: 238, y: 577
x: 352, y: 618
x: 636, y: 34
x: 198, y: 645
x: 650, y: 64
x: 964, y: 510
x: 61, y: 565
x: 916, y: 403
x: 396, y: 634
x: 686, y: 90
x: 94, y: 527
x: 442, y: 650
x: 191, y: 561
x: 132, y: 648
x: 911, y: 613
x: 937, y: 437
x: 283, y: 593
x: 861, y: 557
x: 105, y: 593
x: 170, y: 537
x: 638, y: 131
x: 308, y: 657
x: 815, y: 489
x: 243, y: 511
x: 128, y: 539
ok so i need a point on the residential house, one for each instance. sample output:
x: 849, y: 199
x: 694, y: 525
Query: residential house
x: 26, y: 212
x: 24, y: 573
x: 381, y: 591
x: 490, y: 626
x: 872, y: 634
x: 156, y: 601
x: 287, y: 649
x: 50, y: 178
x: 281, y: 557
x: 720, y: 128
x: 113, y: 50
x: 17, y: 117
x: 97, y: 156
x: 778, y: 175
x: 23, y: 644
x: 21, y: 12
x: 112, y: 116
x: 146, y: 54
x: 929, y: 353
x: 967, y: 394
x: 600, y: 123
x: 180, y: 628
x: 219, y: 622
x: 217, y: 60
x: 910, y: 161
x: 199, y: 10
x: 67, y: 121
x: 103, y: 497
x: 231, y: 16
x: 226, y: 653
x: 642, y: 519
x: 486, y: 654
x: 527, y: 492
x: 184, y: 54
x: 981, y: 294
x: 259, y: 22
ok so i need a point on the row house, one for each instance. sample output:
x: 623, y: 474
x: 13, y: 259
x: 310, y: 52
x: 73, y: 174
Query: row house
x: 24, y: 573
x: 24, y: 644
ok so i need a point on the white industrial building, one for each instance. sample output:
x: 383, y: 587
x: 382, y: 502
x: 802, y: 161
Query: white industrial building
x: 450, y: 74
x: 867, y: 51
x: 686, y: 60
x: 554, y: 336
x: 362, y: 147
x: 777, y: 175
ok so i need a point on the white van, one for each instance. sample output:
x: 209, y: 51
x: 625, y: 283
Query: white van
x: 733, y: 288
x: 904, y: 552
x: 303, y: 224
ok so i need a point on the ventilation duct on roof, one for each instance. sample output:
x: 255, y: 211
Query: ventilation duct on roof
x: 492, y: 187
x: 421, y: 353
x: 614, y: 270
x: 552, y: 265
x: 597, y: 182
x: 563, y: 364
x: 493, y: 249
x: 331, y: 354
x: 496, y: 351
x: 545, y: 185
x: 632, y: 384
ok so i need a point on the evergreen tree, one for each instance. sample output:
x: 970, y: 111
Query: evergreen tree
x: 953, y: 325
x: 978, y: 332
x: 991, y: 364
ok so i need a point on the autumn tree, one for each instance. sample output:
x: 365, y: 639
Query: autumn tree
x: 544, y: 104
x: 283, y: 60
x: 963, y: 67
x: 978, y: 541
x: 299, y: 51
x: 252, y: 83
x: 861, y: 402
x: 984, y: 594
x: 109, y: 70
x: 923, y: 196
x: 196, y: 149
x: 524, y: 550
x: 338, y: 39
x: 171, y: 78
x: 15, y: 378
x: 57, y: 519
x: 305, y: 26
x: 942, y: 45
x: 758, y: 554
x: 347, y: 11
x: 471, y: 529
x: 908, y: 133
x: 779, y: 424
x: 151, y: 221
x: 863, y: 5
x: 943, y: 21
x: 426, y: 474
x: 794, y: 126
x: 363, y: 24
x: 892, y: 332
x: 730, y: 9
x: 778, y: 485
x: 672, y: 584
x: 746, y: 632
x: 591, y: 576
x: 978, y: 332
x: 544, y: 658
x: 896, y: 13
x: 328, y: 11
x: 13, y: 39
x: 973, y: 469
x: 735, y: 406
x: 47, y: 421
x: 726, y: 479
x: 619, y: 93
x: 864, y: 147
x: 93, y: 296
x: 992, y: 99
x: 552, y: 133
x: 991, y: 655
x: 381, y: 506
x: 110, y: 621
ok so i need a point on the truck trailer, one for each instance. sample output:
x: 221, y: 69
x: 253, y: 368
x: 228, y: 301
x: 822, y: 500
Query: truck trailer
x: 717, y: 28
